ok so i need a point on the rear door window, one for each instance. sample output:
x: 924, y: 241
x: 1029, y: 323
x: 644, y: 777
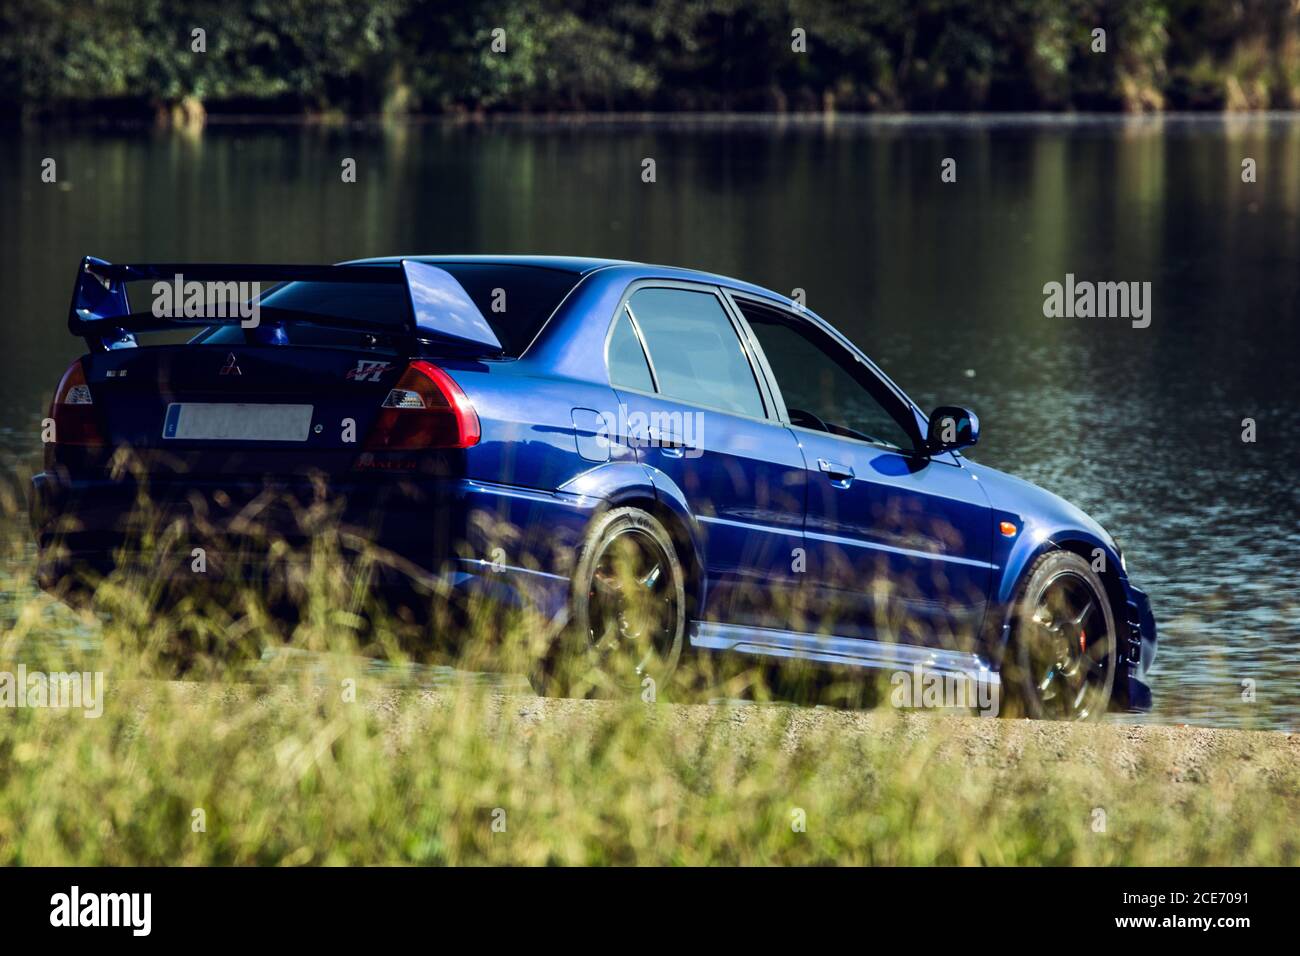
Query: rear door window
x: 627, y: 362
x: 694, y: 350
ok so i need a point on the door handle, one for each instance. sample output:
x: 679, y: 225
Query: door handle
x: 670, y: 445
x: 841, y: 476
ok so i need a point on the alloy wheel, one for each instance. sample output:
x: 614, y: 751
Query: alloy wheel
x: 1068, y: 647
x: 633, y: 604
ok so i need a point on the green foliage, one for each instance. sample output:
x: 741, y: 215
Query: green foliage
x: 399, y: 55
x: 339, y: 748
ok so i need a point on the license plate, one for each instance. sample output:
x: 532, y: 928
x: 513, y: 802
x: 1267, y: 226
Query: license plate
x: 237, y: 422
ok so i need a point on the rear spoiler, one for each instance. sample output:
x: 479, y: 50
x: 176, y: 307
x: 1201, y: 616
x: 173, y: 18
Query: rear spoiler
x: 438, y: 306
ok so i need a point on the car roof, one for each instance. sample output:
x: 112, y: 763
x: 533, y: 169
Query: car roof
x: 630, y: 271
x: 578, y: 265
x: 584, y: 265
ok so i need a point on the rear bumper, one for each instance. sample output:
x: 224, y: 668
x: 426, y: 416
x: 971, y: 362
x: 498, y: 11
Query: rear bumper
x: 452, y: 537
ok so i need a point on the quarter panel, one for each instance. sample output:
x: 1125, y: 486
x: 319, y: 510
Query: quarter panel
x: 529, y: 437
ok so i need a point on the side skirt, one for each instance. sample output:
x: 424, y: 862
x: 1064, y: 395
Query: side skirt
x: 828, y: 649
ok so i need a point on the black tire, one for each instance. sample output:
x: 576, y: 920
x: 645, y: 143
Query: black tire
x: 601, y: 652
x: 1062, y: 656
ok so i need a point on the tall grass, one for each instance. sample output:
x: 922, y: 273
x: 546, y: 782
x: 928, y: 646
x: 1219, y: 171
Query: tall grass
x: 313, y: 754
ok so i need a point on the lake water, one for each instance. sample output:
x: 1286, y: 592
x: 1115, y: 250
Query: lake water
x: 941, y: 282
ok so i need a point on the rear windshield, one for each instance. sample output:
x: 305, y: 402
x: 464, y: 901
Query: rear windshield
x: 516, y: 300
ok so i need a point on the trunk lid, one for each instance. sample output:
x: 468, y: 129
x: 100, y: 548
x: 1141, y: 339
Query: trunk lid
x: 241, y: 410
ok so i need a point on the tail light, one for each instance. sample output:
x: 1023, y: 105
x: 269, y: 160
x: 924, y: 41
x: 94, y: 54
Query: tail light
x: 425, y: 409
x: 73, y: 410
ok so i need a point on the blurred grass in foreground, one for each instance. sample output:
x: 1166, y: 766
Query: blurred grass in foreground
x: 309, y: 758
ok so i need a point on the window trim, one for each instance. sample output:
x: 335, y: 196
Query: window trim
x: 735, y: 297
x: 743, y: 339
x: 640, y: 339
x: 645, y: 347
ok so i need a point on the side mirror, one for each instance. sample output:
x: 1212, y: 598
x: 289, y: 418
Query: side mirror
x: 951, y: 427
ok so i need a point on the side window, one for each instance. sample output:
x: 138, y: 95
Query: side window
x: 693, y: 346
x: 823, y: 384
x: 627, y: 361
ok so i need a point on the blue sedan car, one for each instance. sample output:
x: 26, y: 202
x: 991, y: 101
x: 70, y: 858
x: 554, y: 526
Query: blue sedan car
x: 531, y: 428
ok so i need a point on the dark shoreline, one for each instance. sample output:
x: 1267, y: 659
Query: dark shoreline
x: 736, y: 119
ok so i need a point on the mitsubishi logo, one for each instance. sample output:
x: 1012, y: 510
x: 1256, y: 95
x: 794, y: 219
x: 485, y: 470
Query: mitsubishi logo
x: 231, y: 367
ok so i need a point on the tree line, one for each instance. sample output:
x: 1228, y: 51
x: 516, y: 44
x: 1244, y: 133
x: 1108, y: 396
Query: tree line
x: 174, y: 58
